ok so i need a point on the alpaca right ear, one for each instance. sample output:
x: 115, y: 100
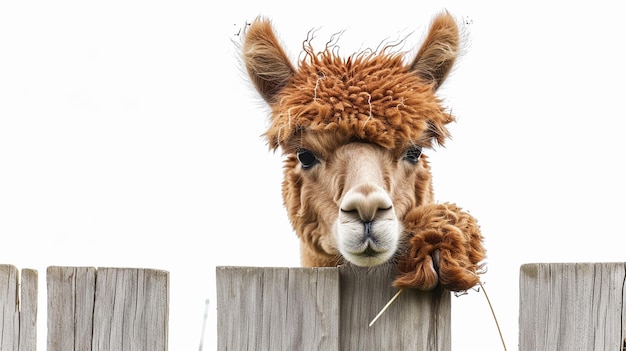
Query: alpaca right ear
x: 439, y: 50
x: 267, y: 64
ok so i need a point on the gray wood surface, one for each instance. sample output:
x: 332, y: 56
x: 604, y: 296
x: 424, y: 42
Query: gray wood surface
x: 417, y: 320
x: 572, y: 306
x: 28, y: 310
x: 71, y: 296
x: 9, y: 309
x: 18, y: 309
x: 107, y: 309
x: 277, y: 308
x: 131, y: 310
x: 326, y: 309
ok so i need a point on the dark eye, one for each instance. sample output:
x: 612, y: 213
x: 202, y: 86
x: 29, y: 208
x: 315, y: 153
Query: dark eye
x: 413, y: 154
x: 307, y: 158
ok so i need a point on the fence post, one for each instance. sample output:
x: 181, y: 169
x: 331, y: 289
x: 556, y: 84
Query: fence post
x: 572, y: 306
x: 326, y: 309
x: 107, y: 309
x: 18, y: 309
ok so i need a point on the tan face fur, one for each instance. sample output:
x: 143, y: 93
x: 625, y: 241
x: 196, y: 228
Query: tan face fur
x: 352, y: 131
x: 350, y: 202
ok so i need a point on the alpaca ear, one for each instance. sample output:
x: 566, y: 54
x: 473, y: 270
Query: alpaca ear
x: 439, y: 50
x: 267, y: 64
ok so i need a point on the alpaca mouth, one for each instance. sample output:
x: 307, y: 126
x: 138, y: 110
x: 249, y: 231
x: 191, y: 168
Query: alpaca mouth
x: 369, y: 252
x: 368, y: 243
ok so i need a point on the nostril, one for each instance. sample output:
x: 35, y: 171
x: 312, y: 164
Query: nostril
x: 350, y: 204
x: 366, y: 206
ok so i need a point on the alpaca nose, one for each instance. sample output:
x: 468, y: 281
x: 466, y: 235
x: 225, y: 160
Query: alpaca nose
x: 367, y: 202
x: 367, y: 227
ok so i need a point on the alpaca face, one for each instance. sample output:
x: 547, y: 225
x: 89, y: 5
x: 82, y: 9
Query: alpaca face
x: 346, y: 199
x: 368, y: 200
x: 352, y: 131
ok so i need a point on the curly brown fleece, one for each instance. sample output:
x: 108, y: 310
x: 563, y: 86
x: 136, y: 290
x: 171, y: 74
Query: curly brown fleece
x: 391, y: 108
x: 451, y: 235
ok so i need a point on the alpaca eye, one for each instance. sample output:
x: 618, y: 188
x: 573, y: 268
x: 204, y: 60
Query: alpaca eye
x: 307, y: 158
x: 413, y: 154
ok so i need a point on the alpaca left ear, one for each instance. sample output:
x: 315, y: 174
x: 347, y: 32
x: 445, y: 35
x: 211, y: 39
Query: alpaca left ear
x: 439, y: 50
x: 267, y: 64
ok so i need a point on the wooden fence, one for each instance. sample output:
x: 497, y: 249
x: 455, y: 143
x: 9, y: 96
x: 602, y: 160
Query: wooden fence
x: 563, y: 306
x: 93, y: 309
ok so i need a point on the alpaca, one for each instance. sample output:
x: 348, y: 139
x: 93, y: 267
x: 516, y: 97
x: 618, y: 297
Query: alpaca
x: 357, y: 187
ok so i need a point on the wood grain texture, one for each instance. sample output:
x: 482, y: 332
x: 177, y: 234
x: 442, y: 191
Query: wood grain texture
x: 572, y: 306
x: 131, y: 310
x: 277, y: 308
x: 70, y: 307
x: 18, y: 309
x: 326, y: 309
x: 29, y: 289
x: 9, y: 309
x: 417, y: 320
x: 107, y: 309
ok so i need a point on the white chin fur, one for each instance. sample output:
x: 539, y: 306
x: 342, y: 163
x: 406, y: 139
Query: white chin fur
x: 360, y: 250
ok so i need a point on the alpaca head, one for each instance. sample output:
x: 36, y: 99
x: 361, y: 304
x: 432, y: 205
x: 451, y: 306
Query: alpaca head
x: 353, y: 131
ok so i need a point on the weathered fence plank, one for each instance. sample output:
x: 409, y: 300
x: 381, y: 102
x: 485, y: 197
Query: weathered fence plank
x: 71, y: 294
x: 326, y: 309
x: 572, y: 306
x: 18, y: 309
x: 107, y: 309
x: 277, y: 308
x: 9, y: 309
x: 28, y: 310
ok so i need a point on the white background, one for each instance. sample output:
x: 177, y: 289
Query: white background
x: 129, y: 138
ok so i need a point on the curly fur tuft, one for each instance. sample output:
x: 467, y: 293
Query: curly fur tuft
x: 449, y: 234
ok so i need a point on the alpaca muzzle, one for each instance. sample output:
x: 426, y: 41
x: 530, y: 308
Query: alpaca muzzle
x: 367, y: 226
